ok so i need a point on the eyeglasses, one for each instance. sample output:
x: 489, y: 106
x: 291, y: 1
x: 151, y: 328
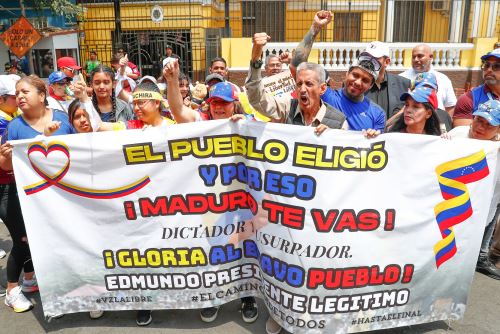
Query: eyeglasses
x: 72, y: 70
x: 61, y: 83
x: 494, y: 66
x: 372, y: 60
x: 141, y: 103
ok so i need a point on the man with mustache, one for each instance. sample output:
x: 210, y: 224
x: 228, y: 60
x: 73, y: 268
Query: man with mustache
x: 361, y: 113
x: 421, y: 62
x: 490, y: 90
x: 307, y: 109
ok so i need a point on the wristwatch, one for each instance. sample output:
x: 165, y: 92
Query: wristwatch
x: 257, y: 64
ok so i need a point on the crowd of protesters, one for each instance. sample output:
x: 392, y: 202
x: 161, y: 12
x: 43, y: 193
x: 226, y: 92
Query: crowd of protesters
x: 420, y: 100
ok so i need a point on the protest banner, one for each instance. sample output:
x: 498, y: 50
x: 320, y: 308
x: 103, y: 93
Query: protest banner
x: 281, y: 84
x: 336, y: 233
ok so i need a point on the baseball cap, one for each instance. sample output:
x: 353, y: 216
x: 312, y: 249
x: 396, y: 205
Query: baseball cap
x: 421, y: 95
x: 8, y: 84
x: 425, y: 79
x: 69, y: 62
x: 223, y: 90
x: 490, y: 111
x: 147, y: 78
x: 377, y: 49
x: 367, y: 63
x: 214, y: 76
x: 494, y: 53
x: 57, y: 77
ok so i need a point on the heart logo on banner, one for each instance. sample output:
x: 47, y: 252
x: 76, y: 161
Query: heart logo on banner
x: 55, y: 166
x: 55, y: 160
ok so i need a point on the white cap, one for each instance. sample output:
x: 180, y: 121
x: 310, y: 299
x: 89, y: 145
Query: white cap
x: 378, y: 49
x: 8, y: 84
x: 147, y: 78
x: 168, y: 60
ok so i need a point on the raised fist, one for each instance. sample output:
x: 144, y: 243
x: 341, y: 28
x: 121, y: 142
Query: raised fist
x: 171, y: 70
x: 322, y: 18
x: 260, y: 39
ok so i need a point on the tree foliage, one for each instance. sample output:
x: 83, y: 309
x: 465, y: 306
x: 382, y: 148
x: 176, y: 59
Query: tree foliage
x: 67, y: 8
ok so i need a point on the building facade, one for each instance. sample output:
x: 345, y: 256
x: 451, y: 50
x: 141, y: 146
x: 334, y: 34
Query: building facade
x: 60, y: 37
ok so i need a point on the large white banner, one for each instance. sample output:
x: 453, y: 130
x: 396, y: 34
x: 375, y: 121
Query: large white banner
x: 336, y: 233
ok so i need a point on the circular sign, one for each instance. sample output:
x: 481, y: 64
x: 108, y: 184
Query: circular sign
x: 157, y: 14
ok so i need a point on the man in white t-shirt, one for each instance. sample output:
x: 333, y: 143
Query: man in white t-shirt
x: 421, y: 61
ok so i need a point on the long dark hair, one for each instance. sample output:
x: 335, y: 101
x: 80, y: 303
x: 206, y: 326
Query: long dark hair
x: 109, y: 72
x: 183, y: 76
x: 431, y: 124
x: 73, y: 107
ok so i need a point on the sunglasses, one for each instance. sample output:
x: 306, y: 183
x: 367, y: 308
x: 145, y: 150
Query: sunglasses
x: 494, y: 66
x: 72, y: 70
x: 372, y: 60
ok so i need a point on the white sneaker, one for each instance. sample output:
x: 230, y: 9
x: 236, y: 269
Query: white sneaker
x: 17, y: 301
x: 96, y: 314
x: 2, y: 253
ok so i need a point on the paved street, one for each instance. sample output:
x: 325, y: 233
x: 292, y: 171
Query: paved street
x: 482, y: 316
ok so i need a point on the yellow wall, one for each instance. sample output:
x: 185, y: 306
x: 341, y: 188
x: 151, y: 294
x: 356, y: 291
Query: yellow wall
x: 483, y: 19
x: 297, y: 23
x: 137, y: 17
x: 435, y: 25
x: 472, y: 58
x: 369, y: 26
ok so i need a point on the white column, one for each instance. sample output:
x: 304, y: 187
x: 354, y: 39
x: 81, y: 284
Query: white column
x: 475, y: 19
x: 389, y: 20
x: 492, y: 18
x: 456, y: 18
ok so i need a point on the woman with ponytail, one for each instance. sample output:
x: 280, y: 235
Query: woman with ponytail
x: 109, y: 108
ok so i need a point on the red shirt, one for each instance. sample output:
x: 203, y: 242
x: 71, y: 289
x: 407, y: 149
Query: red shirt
x: 463, y: 109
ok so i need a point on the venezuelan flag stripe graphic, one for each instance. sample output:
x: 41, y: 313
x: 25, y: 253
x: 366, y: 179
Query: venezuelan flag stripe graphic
x: 456, y: 208
x: 55, y: 180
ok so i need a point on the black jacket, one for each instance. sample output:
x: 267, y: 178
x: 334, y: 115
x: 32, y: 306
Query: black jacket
x: 396, y: 85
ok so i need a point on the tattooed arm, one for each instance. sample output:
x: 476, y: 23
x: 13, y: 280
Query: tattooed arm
x: 321, y: 19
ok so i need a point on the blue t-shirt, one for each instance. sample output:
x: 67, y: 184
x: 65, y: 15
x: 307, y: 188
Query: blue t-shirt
x: 359, y: 115
x: 19, y: 129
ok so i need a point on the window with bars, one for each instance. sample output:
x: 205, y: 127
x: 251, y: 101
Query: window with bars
x: 264, y: 16
x: 347, y: 27
x: 408, y: 21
